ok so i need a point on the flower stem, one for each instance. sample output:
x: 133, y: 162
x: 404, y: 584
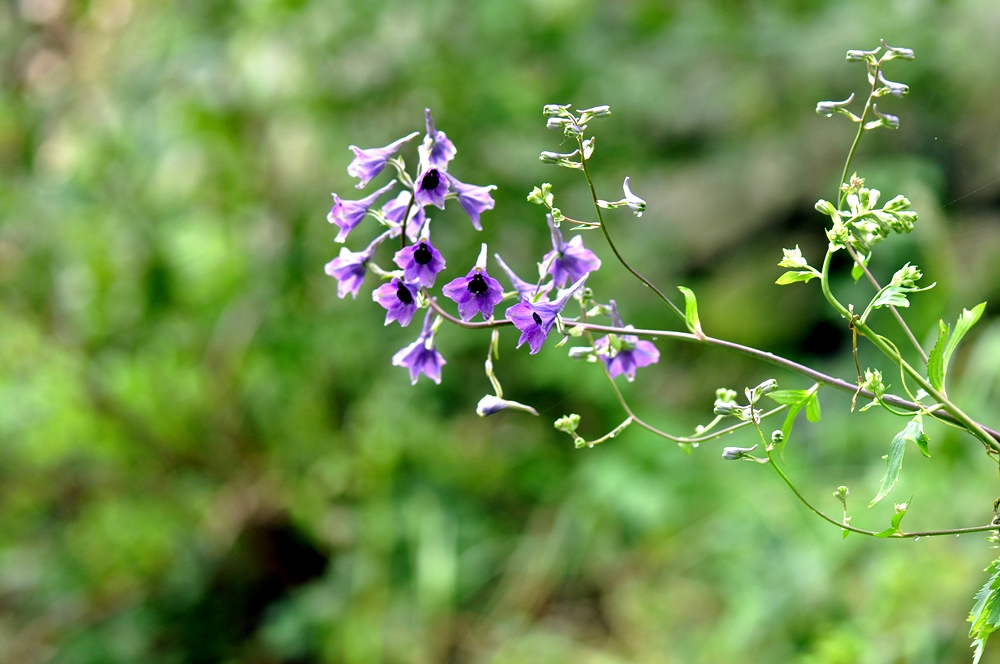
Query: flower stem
x: 894, y: 310
x: 764, y: 356
x: 861, y: 531
x: 607, y: 236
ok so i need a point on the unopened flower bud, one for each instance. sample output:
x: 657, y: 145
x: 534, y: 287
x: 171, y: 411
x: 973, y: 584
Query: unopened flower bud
x: 556, y: 123
x: 597, y: 111
x: 490, y: 404
x: 828, y: 108
x: 568, y: 423
x: 554, y: 109
x: 725, y: 409
x: 888, y: 120
x: 899, y: 51
x: 725, y: 394
x: 734, y: 453
x: 777, y: 437
x: 896, y: 89
x: 769, y: 385
x: 857, y: 55
x: 907, y: 276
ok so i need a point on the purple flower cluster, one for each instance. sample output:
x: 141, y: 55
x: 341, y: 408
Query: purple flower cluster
x: 405, y: 290
x: 420, y: 262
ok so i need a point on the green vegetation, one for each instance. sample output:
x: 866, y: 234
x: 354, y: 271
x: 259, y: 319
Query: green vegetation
x: 206, y: 456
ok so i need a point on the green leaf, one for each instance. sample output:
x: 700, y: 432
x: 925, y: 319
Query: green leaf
x: 793, y: 276
x: 935, y: 363
x: 858, y: 270
x: 985, y: 614
x: 691, y: 312
x: 964, y: 324
x: 897, y: 519
x: 789, y: 397
x: 812, y: 408
x: 890, y: 295
x: 796, y: 400
x: 914, y: 431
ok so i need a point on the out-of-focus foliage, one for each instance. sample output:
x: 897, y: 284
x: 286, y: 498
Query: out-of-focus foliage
x: 205, y: 456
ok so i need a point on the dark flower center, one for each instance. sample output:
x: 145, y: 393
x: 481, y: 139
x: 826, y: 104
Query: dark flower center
x: 431, y: 180
x: 422, y: 254
x: 538, y: 319
x: 403, y: 293
x: 477, y: 286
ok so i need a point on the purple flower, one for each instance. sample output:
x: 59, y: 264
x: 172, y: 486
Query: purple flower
x: 420, y: 262
x: 476, y: 292
x: 568, y: 261
x: 627, y: 352
x: 527, y: 291
x: 421, y: 357
x: 400, y: 300
x: 535, y: 320
x: 436, y: 150
x: 348, y: 214
x: 367, y: 164
x: 394, y: 211
x: 473, y: 199
x: 431, y: 187
x: 349, y: 267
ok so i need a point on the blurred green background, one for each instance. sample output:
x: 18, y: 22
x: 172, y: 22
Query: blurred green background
x: 205, y: 456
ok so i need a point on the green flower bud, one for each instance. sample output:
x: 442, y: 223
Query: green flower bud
x: 568, y: 423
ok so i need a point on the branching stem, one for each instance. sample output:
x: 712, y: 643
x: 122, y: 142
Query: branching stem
x: 764, y: 356
x: 607, y: 236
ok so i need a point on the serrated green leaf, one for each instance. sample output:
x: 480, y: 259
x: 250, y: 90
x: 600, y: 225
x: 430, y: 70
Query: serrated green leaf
x: 914, y: 431
x: 985, y: 614
x: 813, y: 412
x: 935, y: 363
x: 892, y: 295
x: 793, y: 276
x: 789, y: 397
x: 962, y: 326
x: 691, y: 311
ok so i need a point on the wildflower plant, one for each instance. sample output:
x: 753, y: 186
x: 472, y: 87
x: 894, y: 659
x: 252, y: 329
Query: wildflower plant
x: 857, y: 222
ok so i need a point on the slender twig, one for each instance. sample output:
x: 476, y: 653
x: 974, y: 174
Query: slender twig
x: 899, y: 534
x: 989, y: 438
x: 764, y: 356
x: 406, y: 218
x: 893, y: 309
x: 857, y: 137
x: 604, y: 229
